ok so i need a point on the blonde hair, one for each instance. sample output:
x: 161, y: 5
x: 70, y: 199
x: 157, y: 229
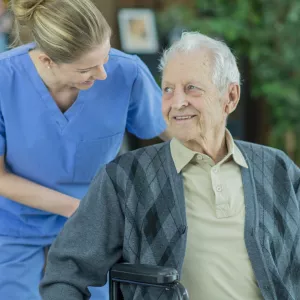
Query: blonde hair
x: 63, y: 29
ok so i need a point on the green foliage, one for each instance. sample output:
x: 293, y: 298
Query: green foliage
x: 266, y: 32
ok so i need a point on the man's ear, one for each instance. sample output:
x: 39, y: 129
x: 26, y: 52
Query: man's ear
x: 233, y: 97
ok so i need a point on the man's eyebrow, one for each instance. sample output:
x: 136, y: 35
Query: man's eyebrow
x: 167, y: 83
x: 185, y: 83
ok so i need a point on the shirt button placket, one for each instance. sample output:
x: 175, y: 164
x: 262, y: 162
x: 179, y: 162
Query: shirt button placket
x: 219, y: 188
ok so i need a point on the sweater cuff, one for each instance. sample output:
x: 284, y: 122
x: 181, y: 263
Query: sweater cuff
x: 61, y: 291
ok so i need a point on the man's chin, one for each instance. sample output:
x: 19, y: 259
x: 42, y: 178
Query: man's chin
x: 182, y: 137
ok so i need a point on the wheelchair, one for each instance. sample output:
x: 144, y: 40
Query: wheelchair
x: 144, y: 275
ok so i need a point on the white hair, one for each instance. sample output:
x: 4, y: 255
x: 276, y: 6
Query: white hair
x: 225, y: 66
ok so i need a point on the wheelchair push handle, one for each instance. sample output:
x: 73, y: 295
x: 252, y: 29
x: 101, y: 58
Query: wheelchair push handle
x: 145, y: 274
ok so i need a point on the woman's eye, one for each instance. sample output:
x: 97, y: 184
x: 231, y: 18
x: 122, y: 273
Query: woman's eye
x: 83, y: 72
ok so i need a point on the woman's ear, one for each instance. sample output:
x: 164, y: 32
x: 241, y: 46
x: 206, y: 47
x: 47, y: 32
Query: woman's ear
x: 45, y: 60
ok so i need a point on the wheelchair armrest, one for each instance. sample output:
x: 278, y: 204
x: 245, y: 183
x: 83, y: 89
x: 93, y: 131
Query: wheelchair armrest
x: 146, y: 274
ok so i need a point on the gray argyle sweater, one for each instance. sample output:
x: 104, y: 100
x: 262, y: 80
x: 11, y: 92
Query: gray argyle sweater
x: 135, y: 212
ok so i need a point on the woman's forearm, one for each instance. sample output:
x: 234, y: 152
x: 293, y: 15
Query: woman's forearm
x: 37, y: 196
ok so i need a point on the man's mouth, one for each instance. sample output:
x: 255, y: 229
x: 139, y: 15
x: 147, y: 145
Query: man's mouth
x: 183, y: 118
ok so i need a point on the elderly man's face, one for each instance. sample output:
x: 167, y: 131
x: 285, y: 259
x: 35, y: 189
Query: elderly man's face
x: 192, y: 105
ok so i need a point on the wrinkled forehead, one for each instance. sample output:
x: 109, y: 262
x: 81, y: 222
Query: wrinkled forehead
x: 188, y: 66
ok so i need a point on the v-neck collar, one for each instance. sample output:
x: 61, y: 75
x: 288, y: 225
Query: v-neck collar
x: 62, y: 118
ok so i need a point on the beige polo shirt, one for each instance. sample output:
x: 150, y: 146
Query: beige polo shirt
x: 216, y: 265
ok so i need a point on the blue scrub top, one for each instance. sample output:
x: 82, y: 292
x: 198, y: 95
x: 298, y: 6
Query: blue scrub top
x: 63, y: 151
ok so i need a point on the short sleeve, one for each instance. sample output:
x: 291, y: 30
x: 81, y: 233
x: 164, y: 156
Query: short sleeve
x: 145, y: 119
x: 2, y: 132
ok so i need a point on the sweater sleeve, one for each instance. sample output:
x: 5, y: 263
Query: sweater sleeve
x: 88, y: 246
x: 294, y: 173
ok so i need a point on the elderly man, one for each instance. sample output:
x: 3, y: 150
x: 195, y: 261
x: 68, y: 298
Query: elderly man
x: 224, y: 213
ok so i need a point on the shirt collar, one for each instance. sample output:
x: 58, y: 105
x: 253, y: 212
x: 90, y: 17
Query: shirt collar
x: 233, y: 151
x: 182, y: 155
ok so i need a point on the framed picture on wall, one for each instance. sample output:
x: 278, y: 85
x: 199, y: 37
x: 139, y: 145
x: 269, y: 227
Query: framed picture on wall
x: 138, y: 32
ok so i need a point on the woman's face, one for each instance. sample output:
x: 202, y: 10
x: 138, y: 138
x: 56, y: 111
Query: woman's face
x: 82, y: 73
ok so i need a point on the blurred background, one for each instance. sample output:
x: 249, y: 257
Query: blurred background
x: 263, y: 36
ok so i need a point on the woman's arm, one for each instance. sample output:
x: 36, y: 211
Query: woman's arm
x: 34, y: 195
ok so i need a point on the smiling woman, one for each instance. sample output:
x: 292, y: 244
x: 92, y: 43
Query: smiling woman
x: 60, y: 53
x: 66, y: 100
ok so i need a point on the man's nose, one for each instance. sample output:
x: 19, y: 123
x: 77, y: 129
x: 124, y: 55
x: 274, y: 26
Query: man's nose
x: 179, y: 100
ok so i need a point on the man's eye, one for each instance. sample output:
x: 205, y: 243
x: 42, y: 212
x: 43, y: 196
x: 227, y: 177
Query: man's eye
x: 191, y: 87
x: 167, y: 90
